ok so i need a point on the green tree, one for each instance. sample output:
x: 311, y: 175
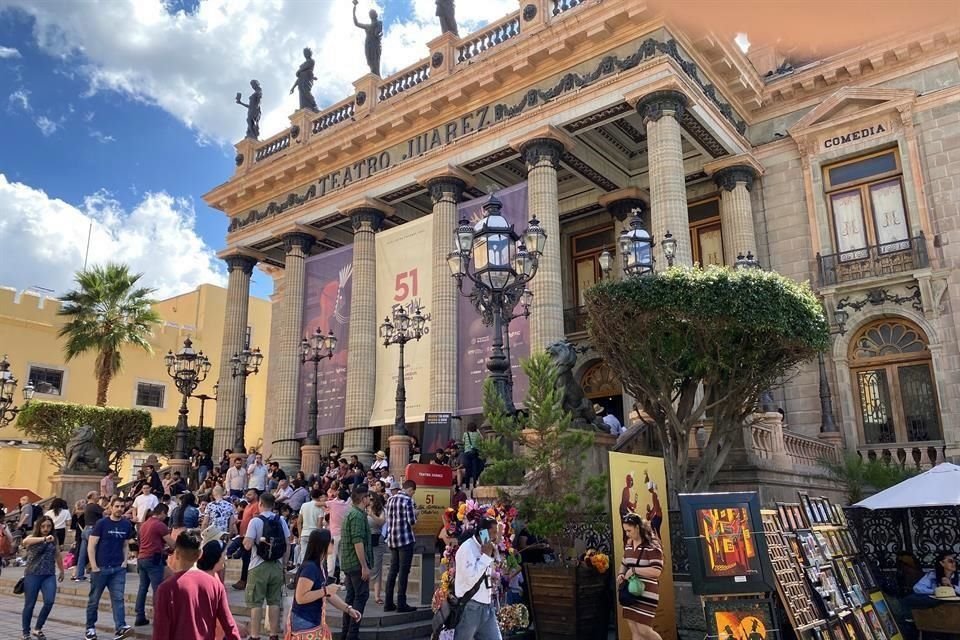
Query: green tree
x: 736, y: 333
x: 162, y: 440
x: 52, y: 425
x: 106, y: 312
x: 860, y: 476
x: 551, y: 469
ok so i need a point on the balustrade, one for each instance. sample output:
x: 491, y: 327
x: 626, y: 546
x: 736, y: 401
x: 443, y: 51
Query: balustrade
x: 273, y: 146
x: 875, y: 260
x: 497, y: 34
x: 559, y: 6
x: 404, y: 80
x: 919, y: 455
x: 336, y: 114
x: 809, y: 451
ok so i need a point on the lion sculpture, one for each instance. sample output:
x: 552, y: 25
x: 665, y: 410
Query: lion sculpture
x: 564, y: 357
x: 83, y: 455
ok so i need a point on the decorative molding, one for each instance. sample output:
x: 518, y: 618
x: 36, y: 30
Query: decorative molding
x: 490, y: 159
x: 374, y: 217
x: 728, y: 177
x: 237, y: 262
x: 616, y: 142
x: 297, y: 240
x: 442, y: 185
x: 295, y: 131
x: 695, y: 177
x: 238, y: 159
x: 700, y: 133
x: 637, y: 136
x: 402, y: 193
x: 539, y: 149
x: 361, y: 98
x: 529, y: 12
x: 437, y: 59
x: 588, y: 172
x: 598, y: 116
x: 655, y: 105
x: 255, y: 215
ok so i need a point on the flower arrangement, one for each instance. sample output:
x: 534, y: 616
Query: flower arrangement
x: 597, y: 560
x: 513, y: 618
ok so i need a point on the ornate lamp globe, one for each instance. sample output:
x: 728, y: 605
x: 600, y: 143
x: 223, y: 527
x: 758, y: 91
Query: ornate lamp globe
x: 494, y: 247
x: 636, y: 247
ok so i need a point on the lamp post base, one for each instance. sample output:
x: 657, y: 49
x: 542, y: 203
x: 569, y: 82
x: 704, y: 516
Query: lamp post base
x: 399, y: 456
x: 181, y: 465
x: 310, y: 457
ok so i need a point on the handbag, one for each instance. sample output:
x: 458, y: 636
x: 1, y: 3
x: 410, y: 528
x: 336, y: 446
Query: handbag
x: 18, y: 588
x: 625, y: 596
x: 451, y: 610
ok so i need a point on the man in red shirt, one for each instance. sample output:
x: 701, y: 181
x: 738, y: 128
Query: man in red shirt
x: 189, y: 604
x: 251, y: 512
x: 154, y: 538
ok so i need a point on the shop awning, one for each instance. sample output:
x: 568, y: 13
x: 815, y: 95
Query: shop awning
x: 938, y: 487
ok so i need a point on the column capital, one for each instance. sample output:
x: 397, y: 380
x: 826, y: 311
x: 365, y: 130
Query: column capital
x: 622, y: 202
x: 297, y: 240
x: 367, y: 210
x: 657, y: 104
x: 543, y: 143
x: 729, y: 177
x: 447, y: 179
x: 239, y: 262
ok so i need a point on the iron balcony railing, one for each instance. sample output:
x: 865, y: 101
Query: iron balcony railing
x: 575, y: 320
x: 875, y: 260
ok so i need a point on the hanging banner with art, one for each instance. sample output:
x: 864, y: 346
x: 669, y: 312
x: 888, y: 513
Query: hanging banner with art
x: 636, y: 486
x: 404, y: 275
x: 473, y: 337
x: 327, y: 292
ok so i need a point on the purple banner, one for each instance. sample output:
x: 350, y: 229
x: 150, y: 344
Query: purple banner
x: 327, y: 293
x: 473, y: 338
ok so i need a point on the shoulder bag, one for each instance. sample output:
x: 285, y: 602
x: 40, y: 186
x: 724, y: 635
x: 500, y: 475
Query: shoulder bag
x: 451, y: 610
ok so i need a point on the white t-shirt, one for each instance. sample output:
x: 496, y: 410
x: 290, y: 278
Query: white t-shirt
x: 257, y: 477
x: 311, y: 518
x: 59, y: 521
x: 613, y: 424
x: 142, y: 504
x: 379, y: 465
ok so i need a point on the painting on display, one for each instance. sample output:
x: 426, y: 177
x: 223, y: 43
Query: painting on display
x: 885, y: 616
x: 727, y: 550
x: 740, y: 619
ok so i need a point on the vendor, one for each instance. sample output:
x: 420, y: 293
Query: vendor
x: 944, y: 574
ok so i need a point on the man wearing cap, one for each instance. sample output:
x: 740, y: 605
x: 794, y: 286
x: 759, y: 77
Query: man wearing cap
x: 380, y: 464
x: 613, y: 425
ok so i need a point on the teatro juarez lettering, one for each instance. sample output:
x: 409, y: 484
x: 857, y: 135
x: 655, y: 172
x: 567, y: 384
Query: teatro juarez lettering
x: 853, y: 136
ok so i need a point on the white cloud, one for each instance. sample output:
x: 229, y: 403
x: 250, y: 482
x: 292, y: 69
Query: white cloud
x: 101, y: 137
x: 8, y: 52
x: 192, y: 64
x: 47, y: 238
x: 47, y: 126
x: 19, y: 99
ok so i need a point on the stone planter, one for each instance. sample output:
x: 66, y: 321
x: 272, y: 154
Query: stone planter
x: 568, y: 602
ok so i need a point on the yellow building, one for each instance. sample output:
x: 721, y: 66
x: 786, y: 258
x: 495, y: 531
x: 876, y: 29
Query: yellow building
x: 28, y: 336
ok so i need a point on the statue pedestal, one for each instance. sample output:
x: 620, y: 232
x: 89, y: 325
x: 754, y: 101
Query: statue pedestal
x: 310, y: 458
x: 183, y: 466
x: 399, y: 456
x: 75, y: 486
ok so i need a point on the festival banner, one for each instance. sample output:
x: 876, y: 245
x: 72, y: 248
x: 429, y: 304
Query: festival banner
x: 404, y: 274
x: 636, y: 486
x: 473, y: 337
x: 327, y: 296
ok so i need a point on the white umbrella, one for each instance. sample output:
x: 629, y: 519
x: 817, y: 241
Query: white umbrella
x: 938, y: 487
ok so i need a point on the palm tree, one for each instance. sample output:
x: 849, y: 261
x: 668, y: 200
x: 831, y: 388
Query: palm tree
x: 106, y: 312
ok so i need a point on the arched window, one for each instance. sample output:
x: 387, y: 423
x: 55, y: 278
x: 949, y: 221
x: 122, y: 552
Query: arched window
x: 894, y: 384
x: 600, y: 381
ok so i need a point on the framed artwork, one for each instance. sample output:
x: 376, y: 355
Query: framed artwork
x: 824, y: 545
x: 835, y: 630
x: 850, y: 541
x: 874, y: 621
x: 821, y: 511
x: 849, y: 627
x: 809, y: 515
x: 725, y: 543
x: 798, y: 516
x: 814, y: 633
x: 862, y: 626
x: 785, y: 517
x: 868, y: 580
x: 885, y: 616
x: 829, y: 510
x: 812, y: 553
x: 741, y: 619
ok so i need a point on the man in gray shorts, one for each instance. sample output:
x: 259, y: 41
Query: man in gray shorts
x: 268, y: 540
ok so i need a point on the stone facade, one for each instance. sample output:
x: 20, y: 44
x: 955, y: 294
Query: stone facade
x: 604, y: 102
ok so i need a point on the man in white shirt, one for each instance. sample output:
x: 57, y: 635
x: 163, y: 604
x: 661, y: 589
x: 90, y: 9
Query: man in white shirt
x: 283, y: 492
x: 474, y: 559
x: 236, y: 479
x: 610, y: 420
x: 257, y: 474
x: 311, y: 518
x: 143, y: 503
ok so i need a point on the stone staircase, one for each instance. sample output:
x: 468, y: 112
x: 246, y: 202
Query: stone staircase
x: 71, y: 603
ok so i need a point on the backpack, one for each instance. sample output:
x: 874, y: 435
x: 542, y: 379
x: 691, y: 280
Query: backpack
x: 276, y: 544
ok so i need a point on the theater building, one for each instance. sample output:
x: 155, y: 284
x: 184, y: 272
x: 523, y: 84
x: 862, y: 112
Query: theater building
x: 843, y: 171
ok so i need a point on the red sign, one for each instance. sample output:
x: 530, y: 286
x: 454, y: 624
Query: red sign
x: 429, y: 475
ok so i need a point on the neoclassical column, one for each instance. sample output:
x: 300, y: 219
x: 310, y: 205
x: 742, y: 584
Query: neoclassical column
x: 273, y: 357
x: 621, y: 204
x: 446, y: 190
x: 286, y: 449
x: 542, y: 154
x: 661, y: 111
x: 229, y: 396
x: 362, y: 357
x: 736, y: 211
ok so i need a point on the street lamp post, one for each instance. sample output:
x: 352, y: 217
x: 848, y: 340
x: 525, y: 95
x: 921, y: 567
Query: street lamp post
x: 499, y: 264
x: 636, y: 249
x: 244, y: 364
x: 408, y: 323
x: 202, y: 397
x: 526, y: 299
x: 188, y: 368
x: 8, y: 385
x: 315, y: 349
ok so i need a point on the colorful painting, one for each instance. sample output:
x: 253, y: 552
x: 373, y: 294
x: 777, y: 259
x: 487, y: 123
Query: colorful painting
x: 875, y: 626
x: 862, y: 625
x: 885, y: 616
x: 726, y: 553
x: 740, y: 619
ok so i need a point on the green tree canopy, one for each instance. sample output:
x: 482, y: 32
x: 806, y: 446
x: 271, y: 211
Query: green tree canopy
x: 52, y: 425
x: 106, y: 312
x: 162, y: 440
x: 859, y: 476
x: 735, y: 332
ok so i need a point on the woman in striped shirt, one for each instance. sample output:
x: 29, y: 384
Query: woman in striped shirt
x: 642, y: 557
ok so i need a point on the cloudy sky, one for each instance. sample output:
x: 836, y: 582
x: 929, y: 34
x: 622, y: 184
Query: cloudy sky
x: 119, y: 115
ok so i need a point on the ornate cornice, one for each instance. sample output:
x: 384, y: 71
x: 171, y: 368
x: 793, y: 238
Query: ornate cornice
x: 297, y: 240
x: 238, y: 262
x: 369, y: 215
x: 539, y: 149
x: 659, y: 103
x: 443, y: 185
x: 728, y: 177
x: 622, y: 209
x: 588, y: 172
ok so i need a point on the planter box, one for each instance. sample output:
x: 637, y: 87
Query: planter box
x: 568, y: 602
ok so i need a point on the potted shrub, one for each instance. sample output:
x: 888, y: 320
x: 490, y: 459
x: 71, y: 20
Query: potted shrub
x: 569, y: 598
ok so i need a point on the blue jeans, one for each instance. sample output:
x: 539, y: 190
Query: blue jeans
x: 115, y: 580
x: 202, y: 474
x: 82, y: 551
x: 479, y: 622
x: 300, y: 624
x: 151, y: 575
x: 32, y: 587
x: 358, y: 592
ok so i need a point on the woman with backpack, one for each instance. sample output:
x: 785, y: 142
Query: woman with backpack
x: 43, y: 562
x: 307, y: 617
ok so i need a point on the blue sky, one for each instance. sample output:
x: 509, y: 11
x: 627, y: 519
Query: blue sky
x: 120, y: 113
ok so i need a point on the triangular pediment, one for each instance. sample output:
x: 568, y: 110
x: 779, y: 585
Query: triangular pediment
x: 850, y: 103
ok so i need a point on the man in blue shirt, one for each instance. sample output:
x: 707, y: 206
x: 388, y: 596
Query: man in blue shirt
x: 107, y: 549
